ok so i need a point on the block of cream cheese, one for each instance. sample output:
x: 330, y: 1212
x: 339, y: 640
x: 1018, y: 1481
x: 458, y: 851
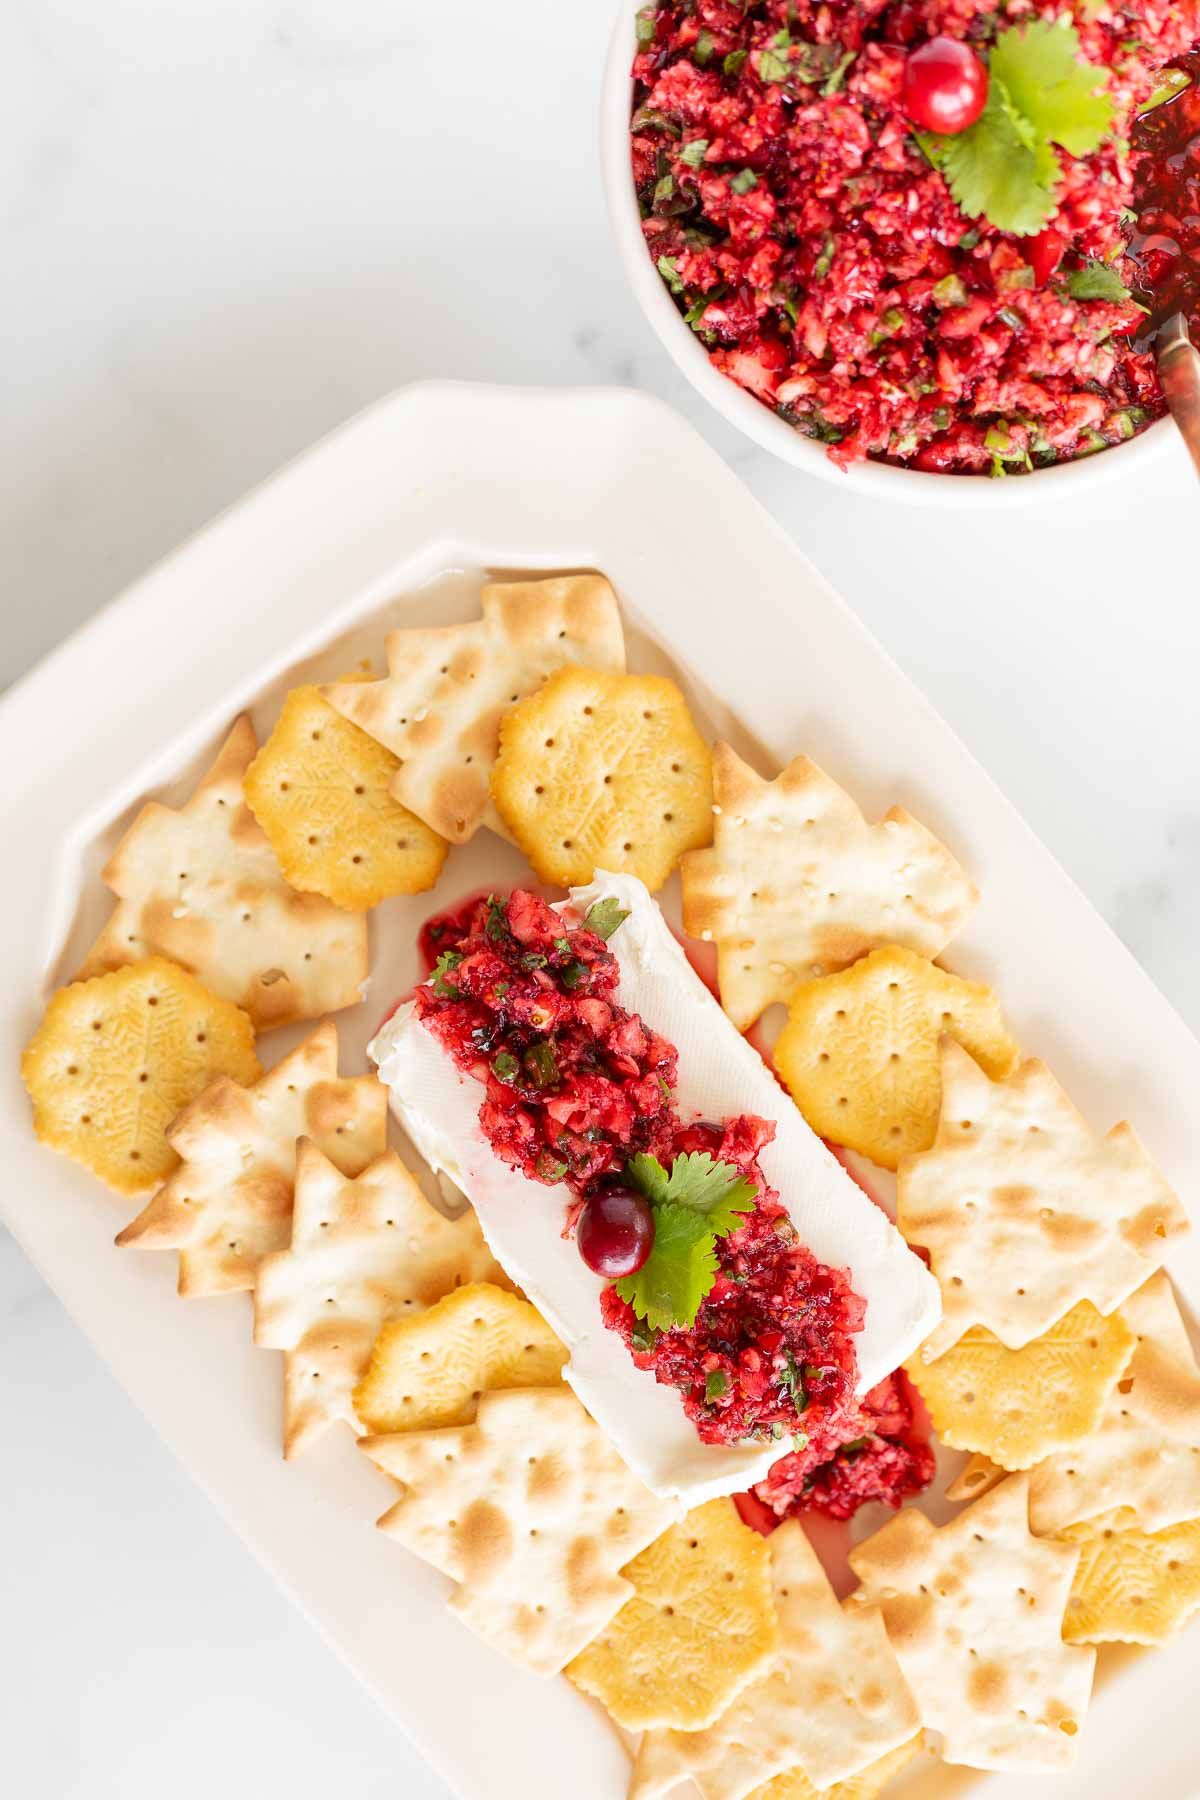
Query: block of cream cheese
x: 720, y: 1075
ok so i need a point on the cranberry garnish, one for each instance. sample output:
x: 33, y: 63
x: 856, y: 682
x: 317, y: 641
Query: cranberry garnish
x: 615, y: 1233
x: 945, y: 86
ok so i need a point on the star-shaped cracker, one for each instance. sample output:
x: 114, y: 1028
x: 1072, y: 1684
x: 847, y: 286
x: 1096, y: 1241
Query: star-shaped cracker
x: 1132, y: 1587
x: 833, y: 1704
x: 440, y: 706
x: 974, y: 1612
x: 201, y: 885
x: 229, y: 1203
x: 1141, y: 1465
x: 798, y: 884
x: 363, y: 1251
x: 532, y: 1512
x: 867, y: 1785
x: 1024, y: 1211
x: 699, y: 1628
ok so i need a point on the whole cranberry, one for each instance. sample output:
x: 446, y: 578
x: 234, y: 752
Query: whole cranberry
x: 615, y: 1233
x: 945, y: 86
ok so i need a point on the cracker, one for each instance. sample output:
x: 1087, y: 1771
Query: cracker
x: 363, y: 1251
x: 532, y: 1512
x: 867, y: 1785
x: 600, y: 771
x: 117, y: 1056
x: 832, y: 1705
x: 440, y: 706
x: 1017, y: 1406
x: 429, y: 1370
x: 974, y: 1611
x: 797, y: 884
x: 1141, y: 1466
x: 700, y: 1627
x: 229, y: 1203
x: 977, y: 1477
x: 202, y: 886
x: 321, y: 790
x: 1017, y: 1182
x: 860, y: 1049
x: 1133, y: 1587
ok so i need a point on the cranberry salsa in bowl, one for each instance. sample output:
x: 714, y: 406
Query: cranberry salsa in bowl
x: 925, y: 234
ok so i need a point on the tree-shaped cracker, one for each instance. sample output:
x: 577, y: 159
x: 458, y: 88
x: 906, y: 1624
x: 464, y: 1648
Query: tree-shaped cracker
x: 229, y: 1203
x: 1141, y: 1465
x: 201, y: 885
x: 1024, y: 1211
x: 363, y: 1251
x: 868, y: 1784
x: 439, y: 708
x: 795, y: 1716
x: 532, y: 1512
x: 975, y: 1612
x: 798, y: 884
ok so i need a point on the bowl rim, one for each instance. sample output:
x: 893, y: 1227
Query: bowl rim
x: 750, y: 416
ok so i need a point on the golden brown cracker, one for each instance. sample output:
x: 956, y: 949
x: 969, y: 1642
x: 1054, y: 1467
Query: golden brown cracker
x: 602, y: 771
x: 1133, y: 1587
x: 115, y: 1059
x: 867, y: 1785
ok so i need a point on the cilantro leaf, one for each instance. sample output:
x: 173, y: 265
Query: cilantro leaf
x: 1041, y: 69
x: 716, y: 1190
x: 669, y: 270
x: 744, y: 181
x: 604, y: 918
x: 716, y: 1385
x: 999, y: 167
x: 677, y: 1274
x: 446, y: 963
x: 1096, y: 281
x: 693, y: 154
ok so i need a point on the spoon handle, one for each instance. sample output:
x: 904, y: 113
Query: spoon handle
x: 1179, y: 372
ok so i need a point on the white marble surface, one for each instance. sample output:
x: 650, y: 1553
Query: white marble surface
x: 227, y: 224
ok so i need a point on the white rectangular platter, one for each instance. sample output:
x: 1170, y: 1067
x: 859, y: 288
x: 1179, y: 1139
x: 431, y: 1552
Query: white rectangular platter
x: 392, y: 521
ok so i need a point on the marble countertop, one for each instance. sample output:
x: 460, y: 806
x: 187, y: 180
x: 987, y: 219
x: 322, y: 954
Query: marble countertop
x: 227, y: 225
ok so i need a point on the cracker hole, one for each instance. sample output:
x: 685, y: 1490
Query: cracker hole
x: 152, y: 1001
x: 667, y: 818
x: 314, y: 735
x: 359, y: 788
x: 402, y: 843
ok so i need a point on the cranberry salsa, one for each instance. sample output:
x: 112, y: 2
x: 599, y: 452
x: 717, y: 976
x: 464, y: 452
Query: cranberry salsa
x: 709, y: 1287
x: 919, y: 230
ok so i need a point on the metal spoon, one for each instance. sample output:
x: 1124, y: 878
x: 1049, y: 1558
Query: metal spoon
x: 1179, y: 372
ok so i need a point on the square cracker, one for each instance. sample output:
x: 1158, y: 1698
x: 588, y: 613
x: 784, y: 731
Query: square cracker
x: 834, y: 1703
x: 1017, y: 1182
x: 229, y: 1203
x: 798, y: 884
x: 363, y: 1251
x: 201, y: 886
x: 439, y: 708
x: 974, y: 1612
x: 532, y: 1512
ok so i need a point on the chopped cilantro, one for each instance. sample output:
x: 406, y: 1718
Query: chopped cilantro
x: 969, y: 239
x: 1096, y: 281
x: 642, y: 1339
x: 604, y: 918
x: 951, y: 290
x: 669, y: 271
x: 716, y: 1385
x: 563, y: 946
x: 791, y: 1380
x: 774, y: 65
x: 716, y: 1190
x: 835, y: 80
x: 693, y: 154
x: 1040, y: 93
x: 533, y: 959
x: 496, y: 924
x: 541, y: 1065
x: 824, y: 262
x: 501, y: 988
x: 1009, y: 279
x: 663, y: 190
x: 677, y: 1274
x: 506, y: 1067
x: 744, y: 181
x: 442, y: 968
x: 702, y: 53
x: 647, y: 25
x: 573, y: 976
x: 648, y: 118
x: 549, y: 1167
x: 735, y: 62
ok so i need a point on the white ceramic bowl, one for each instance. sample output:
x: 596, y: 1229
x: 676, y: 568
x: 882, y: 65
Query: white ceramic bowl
x: 912, y: 486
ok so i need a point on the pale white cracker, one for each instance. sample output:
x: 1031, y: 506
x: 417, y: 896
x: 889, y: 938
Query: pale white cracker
x: 834, y: 1703
x: 363, y: 1251
x: 798, y: 884
x: 532, y: 1512
x: 201, y: 886
x: 229, y: 1203
x: 1024, y: 1210
x: 440, y: 705
x: 975, y: 1613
